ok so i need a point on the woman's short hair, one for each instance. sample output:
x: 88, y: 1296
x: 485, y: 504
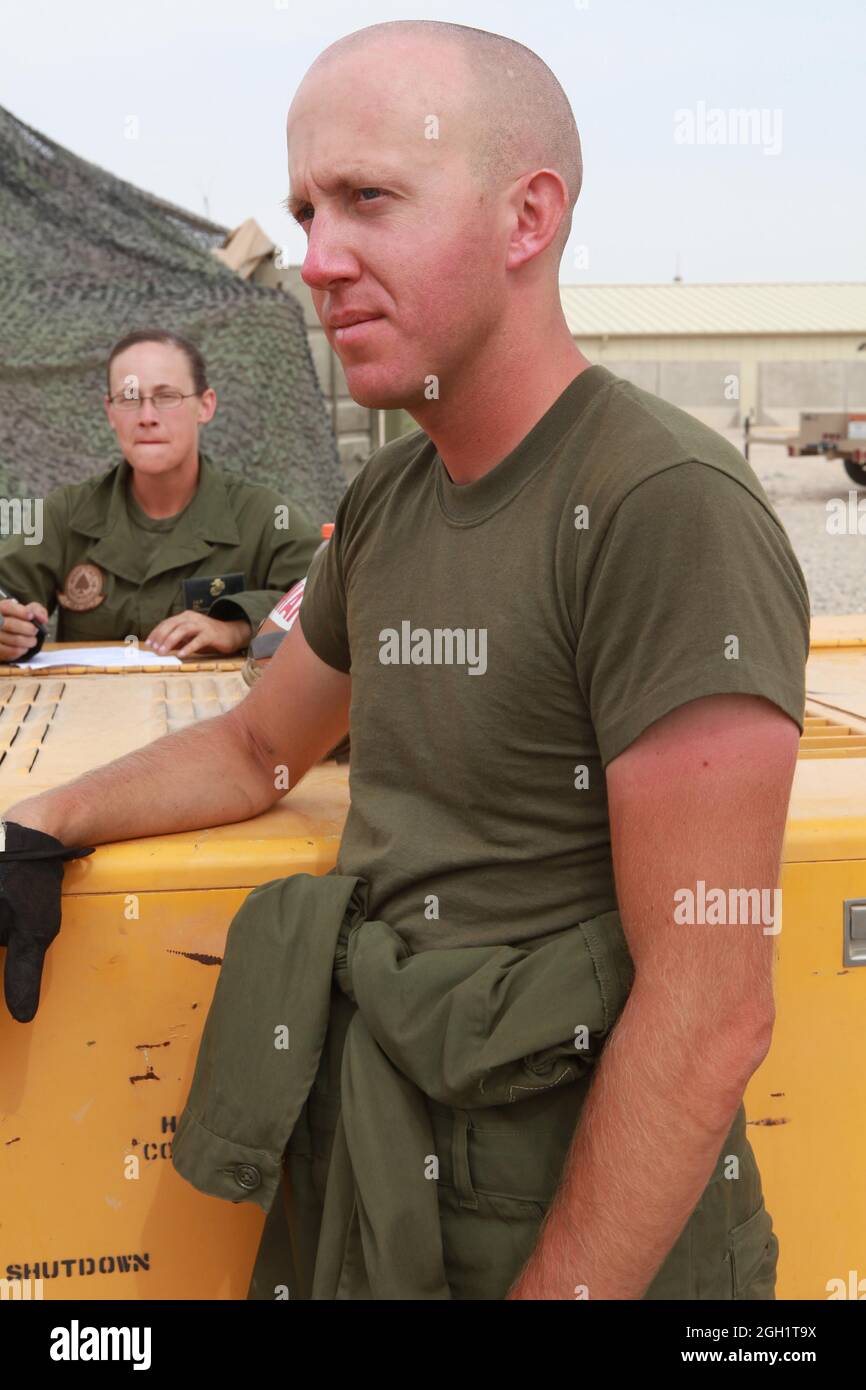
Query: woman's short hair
x: 160, y: 335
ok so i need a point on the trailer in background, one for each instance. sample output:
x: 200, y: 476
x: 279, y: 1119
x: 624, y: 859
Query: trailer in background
x: 838, y: 434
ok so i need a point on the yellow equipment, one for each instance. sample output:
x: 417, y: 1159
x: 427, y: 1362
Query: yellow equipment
x: 90, y: 1093
x: 806, y: 1104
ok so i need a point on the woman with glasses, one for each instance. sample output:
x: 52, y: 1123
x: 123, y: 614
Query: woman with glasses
x: 162, y: 546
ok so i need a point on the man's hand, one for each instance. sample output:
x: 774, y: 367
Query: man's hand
x: 31, y: 876
x: 196, y: 632
x: 17, y: 633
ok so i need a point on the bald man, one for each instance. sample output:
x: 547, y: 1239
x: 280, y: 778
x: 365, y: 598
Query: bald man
x: 569, y: 634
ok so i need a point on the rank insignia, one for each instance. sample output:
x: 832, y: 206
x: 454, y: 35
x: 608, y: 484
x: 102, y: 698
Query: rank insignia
x: 205, y: 589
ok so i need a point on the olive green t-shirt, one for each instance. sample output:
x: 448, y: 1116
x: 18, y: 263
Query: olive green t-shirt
x: 507, y: 638
x: 150, y: 533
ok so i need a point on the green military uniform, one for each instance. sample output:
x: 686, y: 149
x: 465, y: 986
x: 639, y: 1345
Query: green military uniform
x: 421, y: 1106
x: 113, y: 571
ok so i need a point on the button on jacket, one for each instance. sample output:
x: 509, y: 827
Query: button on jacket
x: 229, y: 540
x: 404, y: 1119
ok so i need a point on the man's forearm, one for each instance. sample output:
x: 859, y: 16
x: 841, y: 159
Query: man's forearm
x: 649, y: 1135
x: 203, y: 775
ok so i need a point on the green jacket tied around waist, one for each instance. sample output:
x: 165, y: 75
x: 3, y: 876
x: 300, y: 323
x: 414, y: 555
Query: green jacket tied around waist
x: 472, y: 1027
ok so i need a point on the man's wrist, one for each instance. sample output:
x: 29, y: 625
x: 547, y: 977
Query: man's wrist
x: 243, y: 630
x: 36, y: 814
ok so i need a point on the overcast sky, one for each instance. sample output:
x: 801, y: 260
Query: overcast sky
x: 209, y: 83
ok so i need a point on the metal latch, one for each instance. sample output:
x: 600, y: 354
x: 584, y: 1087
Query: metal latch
x: 854, y: 931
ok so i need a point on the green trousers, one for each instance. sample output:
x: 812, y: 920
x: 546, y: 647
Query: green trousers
x: 496, y: 1170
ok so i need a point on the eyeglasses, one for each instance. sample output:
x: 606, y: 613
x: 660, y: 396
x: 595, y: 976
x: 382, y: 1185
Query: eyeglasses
x: 162, y: 400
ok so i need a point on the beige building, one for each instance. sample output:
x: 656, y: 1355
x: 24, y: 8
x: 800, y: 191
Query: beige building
x: 726, y: 351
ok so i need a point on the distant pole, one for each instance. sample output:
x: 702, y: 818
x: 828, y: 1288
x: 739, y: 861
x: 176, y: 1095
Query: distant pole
x: 746, y: 427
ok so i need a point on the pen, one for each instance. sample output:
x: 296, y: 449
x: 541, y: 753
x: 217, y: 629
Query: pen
x: 41, y: 631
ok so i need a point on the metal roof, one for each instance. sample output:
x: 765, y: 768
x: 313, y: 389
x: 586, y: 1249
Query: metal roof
x: 669, y: 309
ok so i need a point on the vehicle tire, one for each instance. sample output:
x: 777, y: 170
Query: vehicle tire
x: 856, y: 472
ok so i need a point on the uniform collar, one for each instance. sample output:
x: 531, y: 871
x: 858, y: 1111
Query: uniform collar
x: 103, y: 514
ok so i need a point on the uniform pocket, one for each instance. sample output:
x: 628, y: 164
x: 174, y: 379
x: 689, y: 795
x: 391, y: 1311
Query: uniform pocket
x: 514, y: 1209
x: 753, y: 1250
x: 517, y: 1152
x: 486, y: 1246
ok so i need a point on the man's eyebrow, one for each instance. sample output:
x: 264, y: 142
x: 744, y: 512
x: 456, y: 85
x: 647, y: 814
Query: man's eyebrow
x: 358, y: 176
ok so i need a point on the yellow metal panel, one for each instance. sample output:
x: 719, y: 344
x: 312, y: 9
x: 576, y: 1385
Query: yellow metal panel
x: 806, y: 1104
x: 94, y: 1086
x: 51, y: 730
x: 97, y: 1082
x: 827, y: 814
x: 838, y: 630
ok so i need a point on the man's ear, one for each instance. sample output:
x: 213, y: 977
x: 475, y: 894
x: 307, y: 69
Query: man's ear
x: 207, y: 406
x: 541, y: 204
x: 106, y: 400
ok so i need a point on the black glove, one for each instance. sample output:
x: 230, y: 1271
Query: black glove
x: 31, y: 875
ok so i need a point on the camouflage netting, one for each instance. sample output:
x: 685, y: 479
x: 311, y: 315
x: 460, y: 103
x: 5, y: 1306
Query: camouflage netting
x: 85, y: 258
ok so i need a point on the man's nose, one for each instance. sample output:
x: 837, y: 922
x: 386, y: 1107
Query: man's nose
x: 329, y: 258
x: 148, y: 413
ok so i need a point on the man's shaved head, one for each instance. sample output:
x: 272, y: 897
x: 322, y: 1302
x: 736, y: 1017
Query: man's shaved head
x: 434, y: 169
x: 520, y: 117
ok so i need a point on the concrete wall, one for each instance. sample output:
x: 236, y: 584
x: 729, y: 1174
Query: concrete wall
x: 786, y: 388
x: 776, y: 376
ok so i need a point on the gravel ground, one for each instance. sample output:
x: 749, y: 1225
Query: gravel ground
x: 799, y: 490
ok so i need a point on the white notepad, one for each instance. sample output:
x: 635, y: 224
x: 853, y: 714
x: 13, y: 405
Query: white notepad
x: 115, y: 657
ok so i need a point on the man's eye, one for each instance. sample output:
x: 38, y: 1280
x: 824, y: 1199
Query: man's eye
x: 305, y: 212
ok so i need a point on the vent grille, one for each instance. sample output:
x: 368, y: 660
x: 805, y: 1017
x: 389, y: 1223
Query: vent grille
x: 27, y: 711
x: 179, y: 700
x: 831, y: 738
x: 52, y: 730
